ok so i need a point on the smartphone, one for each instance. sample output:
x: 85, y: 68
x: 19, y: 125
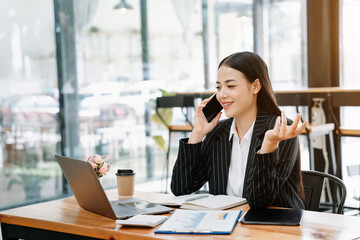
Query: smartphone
x: 212, y: 108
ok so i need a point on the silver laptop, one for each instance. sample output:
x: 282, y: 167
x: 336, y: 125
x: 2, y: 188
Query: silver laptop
x: 91, y: 196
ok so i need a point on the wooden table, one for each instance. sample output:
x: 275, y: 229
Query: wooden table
x: 64, y: 219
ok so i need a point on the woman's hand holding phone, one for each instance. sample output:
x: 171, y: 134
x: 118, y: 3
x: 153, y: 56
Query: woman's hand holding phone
x: 201, y: 125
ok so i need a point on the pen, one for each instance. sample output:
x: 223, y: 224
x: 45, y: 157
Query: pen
x: 196, y: 198
x: 242, y: 216
x: 189, y: 230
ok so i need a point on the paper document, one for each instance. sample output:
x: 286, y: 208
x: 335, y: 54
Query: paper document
x: 200, y: 222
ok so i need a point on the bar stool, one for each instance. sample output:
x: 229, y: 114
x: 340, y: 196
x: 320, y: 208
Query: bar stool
x: 312, y: 130
x: 177, y: 101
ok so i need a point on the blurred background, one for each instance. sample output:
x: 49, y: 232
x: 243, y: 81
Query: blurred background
x: 81, y: 77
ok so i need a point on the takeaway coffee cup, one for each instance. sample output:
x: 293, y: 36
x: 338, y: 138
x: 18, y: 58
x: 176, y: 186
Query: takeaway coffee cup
x: 125, y: 182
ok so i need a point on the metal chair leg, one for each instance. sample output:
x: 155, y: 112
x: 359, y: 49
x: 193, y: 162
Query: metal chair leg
x: 167, y: 163
x: 332, y: 150
x: 334, y: 165
x: 311, y: 150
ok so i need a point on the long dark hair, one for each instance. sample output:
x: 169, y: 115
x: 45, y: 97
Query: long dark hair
x: 254, y: 67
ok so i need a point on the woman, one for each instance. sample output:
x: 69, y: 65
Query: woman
x: 254, y: 153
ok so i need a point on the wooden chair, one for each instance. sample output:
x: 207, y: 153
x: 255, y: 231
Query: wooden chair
x: 313, y: 184
x: 185, y: 103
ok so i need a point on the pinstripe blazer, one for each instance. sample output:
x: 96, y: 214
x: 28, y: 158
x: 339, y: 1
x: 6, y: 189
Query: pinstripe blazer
x: 270, y: 179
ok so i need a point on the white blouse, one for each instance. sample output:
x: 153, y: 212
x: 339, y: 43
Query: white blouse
x: 239, y: 156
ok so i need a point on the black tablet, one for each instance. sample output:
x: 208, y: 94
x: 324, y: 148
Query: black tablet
x: 273, y: 216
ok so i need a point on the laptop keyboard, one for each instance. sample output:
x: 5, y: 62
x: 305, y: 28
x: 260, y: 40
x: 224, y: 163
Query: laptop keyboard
x: 123, y: 210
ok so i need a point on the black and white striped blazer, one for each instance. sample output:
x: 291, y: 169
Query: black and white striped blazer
x: 270, y: 179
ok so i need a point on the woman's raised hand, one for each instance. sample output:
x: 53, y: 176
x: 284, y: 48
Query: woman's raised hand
x: 281, y: 132
x: 201, y: 125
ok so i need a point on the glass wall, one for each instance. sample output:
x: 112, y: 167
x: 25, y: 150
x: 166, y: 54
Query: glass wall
x: 231, y: 29
x: 109, y: 78
x: 176, y: 45
x: 350, y: 74
x: 276, y: 30
x: 112, y: 64
x: 109, y: 64
x: 280, y: 38
x: 284, y: 43
x: 28, y: 103
x: 115, y: 101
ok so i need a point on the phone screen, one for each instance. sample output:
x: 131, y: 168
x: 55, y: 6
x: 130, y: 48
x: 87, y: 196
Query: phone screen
x: 212, y: 108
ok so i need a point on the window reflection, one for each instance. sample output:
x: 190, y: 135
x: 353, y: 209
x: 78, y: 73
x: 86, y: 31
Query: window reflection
x: 112, y: 98
x: 111, y: 105
x: 284, y: 39
x: 28, y: 104
x: 350, y: 74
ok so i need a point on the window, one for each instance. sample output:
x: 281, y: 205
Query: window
x: 350, y: 73
x: 175, y: 44
x: 284, y: 39
x: 28, y: 104
x: 107, y: 104
x: 111, y: 89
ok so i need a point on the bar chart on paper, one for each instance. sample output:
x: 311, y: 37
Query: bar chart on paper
x: 200, y: 222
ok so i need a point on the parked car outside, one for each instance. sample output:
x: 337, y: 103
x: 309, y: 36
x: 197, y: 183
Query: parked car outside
x: 29, y: 109
x: 32, y: 109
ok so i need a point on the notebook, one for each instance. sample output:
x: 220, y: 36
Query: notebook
x: 273, y: 216
x: 90, y: 195
x: 203, y: 202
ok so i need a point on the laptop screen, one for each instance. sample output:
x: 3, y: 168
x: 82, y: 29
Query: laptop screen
x: 90, y: 195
